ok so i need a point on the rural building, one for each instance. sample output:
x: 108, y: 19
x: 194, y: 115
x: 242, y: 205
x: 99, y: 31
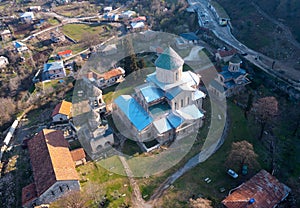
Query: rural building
x: 262, y: 190
x: 27, y: 17
x: 64, y: 54
x: 35, y: 8
x: 3, y: 61
x: 108, y: 78
x: 137, y: 26
x: 78, y: 156
x: 231, y: 80
x: 20, y: 47
x: 167, y: 107
x: 111, y: 16
x: 107, y: 9
x: 139, y: 19
x: 128, y: 14
x: 62, y: 112
x: 57, y: 37
x: 190, y: 37
x: 223, y: 55
x: 54, y: 70
x: 53, y: 169
x: 6, y: 35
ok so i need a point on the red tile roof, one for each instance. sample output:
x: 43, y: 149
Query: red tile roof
x: 106, y: 75
x: 28, y: 193
x: 50, y: 159
x: 224, y: 53
x: 63, y: 53
x: 139, y: 19
x: 62, y: 108
x: 78, y: 154
x: 264, y: 188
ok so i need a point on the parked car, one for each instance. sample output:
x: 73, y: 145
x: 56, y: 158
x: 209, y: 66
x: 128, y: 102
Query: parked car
x: 245, y: 170
x: 232, y: 173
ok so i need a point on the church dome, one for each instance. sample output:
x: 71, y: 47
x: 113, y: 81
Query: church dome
x: 169, y: 60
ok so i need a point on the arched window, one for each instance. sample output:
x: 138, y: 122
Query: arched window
x: 188, y: 100
x: 176, y: 78
x: 175, y: 105
x: 60, y: 188
x: 181, y: 102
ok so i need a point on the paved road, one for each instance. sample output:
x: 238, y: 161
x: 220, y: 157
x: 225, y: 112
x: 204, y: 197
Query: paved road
x: 291, y: 76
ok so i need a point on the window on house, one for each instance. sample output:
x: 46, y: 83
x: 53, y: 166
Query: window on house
x: 188, y: 100
x: 181, y: 102
x: 176, y: 76
x: 175, y: 105
x: 52, y: 192
x: 60, y: 188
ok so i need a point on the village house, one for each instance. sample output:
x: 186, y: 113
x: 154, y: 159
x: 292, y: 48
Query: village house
x: 231, y: 80
x: 262, y: 190
x: 35, y: 8
x: 78, y: 156
x: 20, y: 47
x: 137, y: 26
x: 54, y: 70
x: 128, y: 14
x: 3, y: 61
x: 6, y: 35
x: 53, y: 169
x: 218, y: 12
x: 107, y: 9
x: 64, y: 54
x: 223, y: 55
x: 111, y: 16
x: 108, y: 78
x: 27, y: 17
x: 167, y: 107
x: 62, y: 112
x: 56, y: 37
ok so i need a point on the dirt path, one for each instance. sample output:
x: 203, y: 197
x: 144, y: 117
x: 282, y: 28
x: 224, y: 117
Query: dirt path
x: 137, y: 199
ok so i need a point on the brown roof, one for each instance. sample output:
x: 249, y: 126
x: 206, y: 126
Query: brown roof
x: 78, y: 154
x: 28, y: 193
x: 224, y: 53
x: 264, y: 188
x: 50, y: 159
x: 62, y: 108
x: 106, y: 75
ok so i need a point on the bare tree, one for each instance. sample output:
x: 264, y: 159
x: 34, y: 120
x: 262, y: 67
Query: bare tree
x: 200, y: 203
x: 242, y: 153
x: 264, y: 110
x: 7, y: 109
x: 74, y: 199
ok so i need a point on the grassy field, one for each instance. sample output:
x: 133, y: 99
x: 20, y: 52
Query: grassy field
x: 75, y: 31
x: 116, y: 187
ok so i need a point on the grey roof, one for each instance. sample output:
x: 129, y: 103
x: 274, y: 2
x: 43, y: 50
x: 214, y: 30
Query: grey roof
x: 235, y: 59
x: 169, y: 60
x: 53, y: 66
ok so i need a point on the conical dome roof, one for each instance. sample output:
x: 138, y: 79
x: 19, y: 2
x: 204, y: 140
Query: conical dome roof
x: 169, y: 60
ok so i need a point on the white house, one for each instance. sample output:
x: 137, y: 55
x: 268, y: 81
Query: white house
x: 3, y: 61
x: 6, y: 35
x: 54, y: 70
x: 20, y: 47
x: 27, y: 17
x: 62, y: 111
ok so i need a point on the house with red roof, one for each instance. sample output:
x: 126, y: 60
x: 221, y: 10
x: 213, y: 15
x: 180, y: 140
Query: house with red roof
x: 107, y: 78
x: 53, y: 169
x: 63, y: 54
x: 262, y: 191
x: 62, y: 111
x: 224, y: 55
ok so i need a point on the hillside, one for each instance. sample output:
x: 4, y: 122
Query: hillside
x: 270, y: 27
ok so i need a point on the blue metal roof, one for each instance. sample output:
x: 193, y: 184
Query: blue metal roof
x: 229, y: 84
x: 133, y: 111
x: 226, y: 75
x: 189, y: 36
x: 190, y: 112
x: 175, y: 120
x: 53, y: 66
x: 173, y: 92
x: 151, y: 93
x: 162, y: 125
x: 19, y: 44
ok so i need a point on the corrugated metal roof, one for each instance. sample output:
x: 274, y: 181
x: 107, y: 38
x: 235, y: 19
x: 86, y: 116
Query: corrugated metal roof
x: 53, y: 66
x: 133, y: 111
x: 264, y: 188
x: 199, y: 94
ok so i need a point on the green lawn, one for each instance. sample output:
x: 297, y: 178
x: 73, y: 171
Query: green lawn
x: 75, y: 31
x: 115, y: 187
